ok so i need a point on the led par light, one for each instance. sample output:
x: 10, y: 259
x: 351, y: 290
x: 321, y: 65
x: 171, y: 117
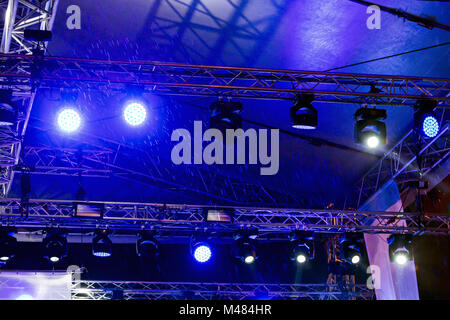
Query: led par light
x: 425, y: 119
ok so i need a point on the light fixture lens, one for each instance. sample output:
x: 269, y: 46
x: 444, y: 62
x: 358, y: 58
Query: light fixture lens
x: 373, y: 142
x: 430, y: 126
x: 135, y: 114
x: 101, y: 254
x: 69, y: 120
x: 249, y: 259
x: 4, y: 258
x: 202, y: 253
x: 301, y: 258
x: 401, y: 258
x: 54, y: 259
x: 356, y: 259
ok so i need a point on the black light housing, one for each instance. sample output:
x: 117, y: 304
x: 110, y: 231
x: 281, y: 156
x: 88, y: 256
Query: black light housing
x: 400, y: 248
x: 245, y: 246
x: 55, y: 246
x: 8, y: 246
x: 369, y: 128
x: 146, y: 245
x: 225, y: 115
x: 303, y: 114
x: 101, y: 244
x: 351, y: 248
x: 37, y: 35
x: 8, y: 110
x: 302, y: 243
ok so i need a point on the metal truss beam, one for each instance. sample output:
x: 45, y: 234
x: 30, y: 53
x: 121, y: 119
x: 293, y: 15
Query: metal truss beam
x: 103, y: 290
x: 112, y: 161
x: 21, y: 15
x: 199, y: 80
x: 412, y: 157
x: 186, y: 219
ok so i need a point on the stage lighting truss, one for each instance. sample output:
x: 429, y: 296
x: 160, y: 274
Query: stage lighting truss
x: 425, y: 119
x: 303, y: 114
x: 369, y: 128
x: 103, y: 290
x: 146, y: 245
x: 400, y: 248
x: 101, y: 244
x: 55, y: 246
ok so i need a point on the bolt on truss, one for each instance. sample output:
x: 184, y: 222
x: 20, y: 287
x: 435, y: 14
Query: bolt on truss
x: 400, y: 163
x: 175, y: 219
x: 103, y: 290
x: 200, y: 80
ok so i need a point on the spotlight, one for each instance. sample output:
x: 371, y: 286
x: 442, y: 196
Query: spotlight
x: 369, y: 129
x: 245, y: 246
x: 8, y: 115
x: 146, y: 245
x: 55, y: 246
x: 350, y: 248
x: 425, y: 118
x: 202, y: 252
x: 301, y: 253
x: 101, y: 244
x: 303, y: 114
x: 135, y: 113
x: 400, y: 248
x: 302, y: 245
x: 8, y: 246
x: 69, y: 120
x: 225, y: 115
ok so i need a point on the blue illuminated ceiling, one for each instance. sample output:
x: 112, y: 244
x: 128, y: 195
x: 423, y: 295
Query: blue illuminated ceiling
x: 303, y: 35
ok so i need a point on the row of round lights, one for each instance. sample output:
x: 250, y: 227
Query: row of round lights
x: 69, y: 119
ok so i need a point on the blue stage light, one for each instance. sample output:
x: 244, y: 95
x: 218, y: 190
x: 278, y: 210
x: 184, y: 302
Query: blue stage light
x: 101, y: 244
x: 69, y: 120
x: 101, y: 254
x: 135, y: 113
x: 202, y: 253
x: 430, y: 126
